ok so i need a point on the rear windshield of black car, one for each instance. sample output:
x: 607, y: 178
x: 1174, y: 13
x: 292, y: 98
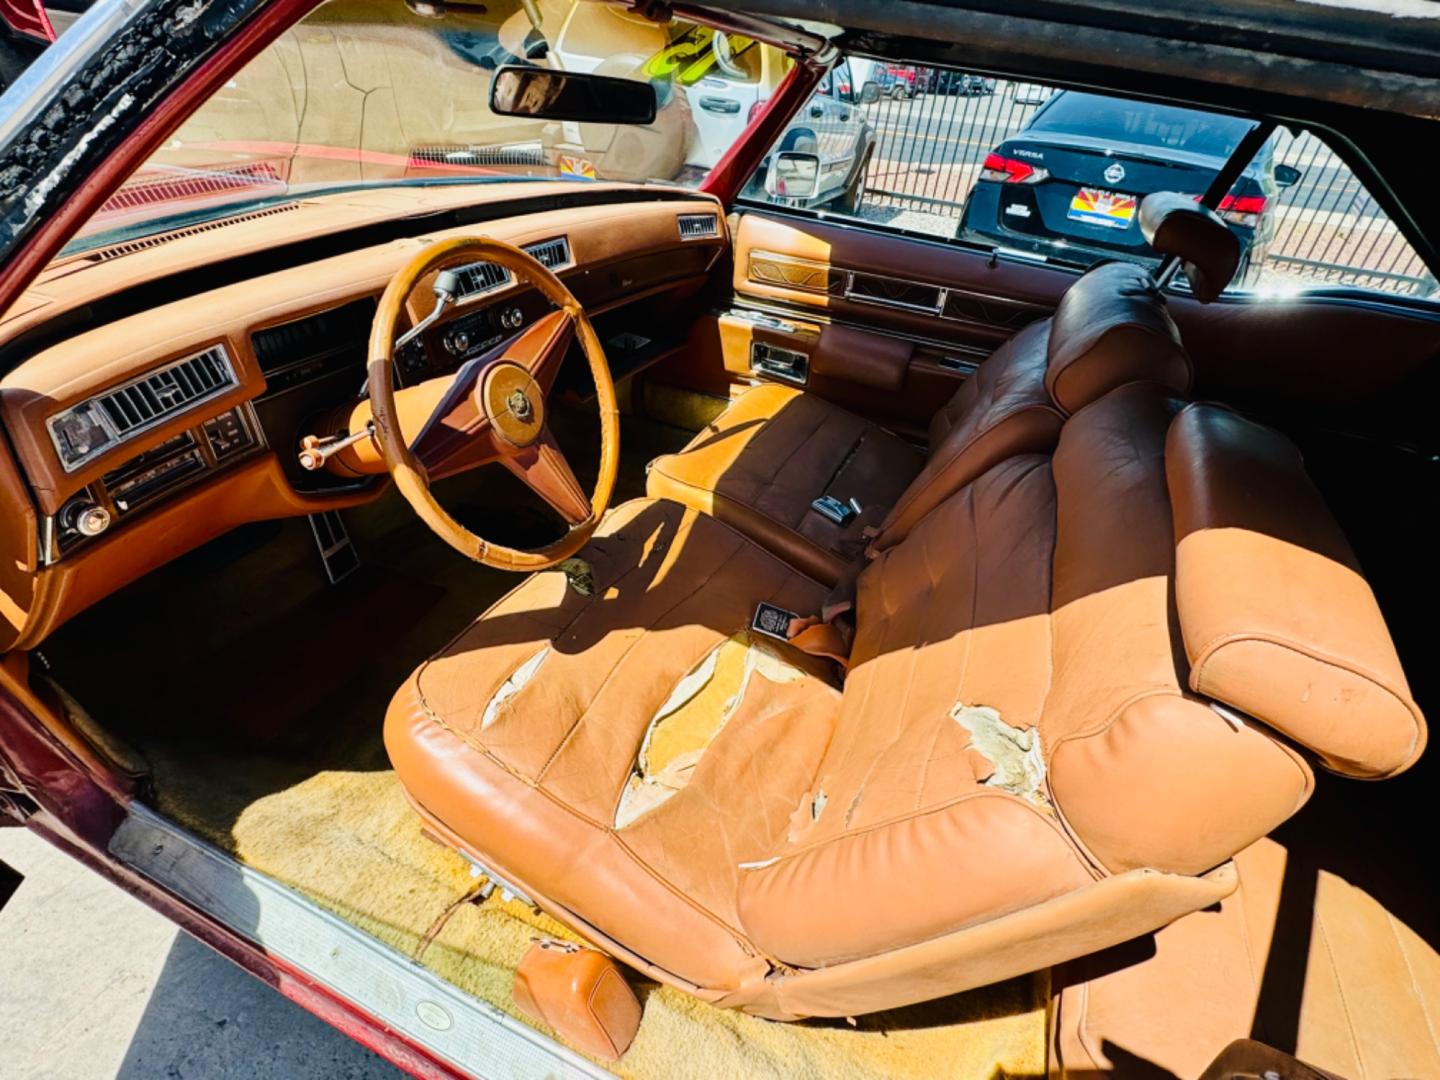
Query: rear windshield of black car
x: 1097, y: 117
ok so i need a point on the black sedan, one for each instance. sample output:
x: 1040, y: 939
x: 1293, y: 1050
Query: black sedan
x: 1069, y: 184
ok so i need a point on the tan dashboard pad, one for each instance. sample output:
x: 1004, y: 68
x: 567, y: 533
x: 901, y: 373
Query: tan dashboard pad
x: 500, y: 419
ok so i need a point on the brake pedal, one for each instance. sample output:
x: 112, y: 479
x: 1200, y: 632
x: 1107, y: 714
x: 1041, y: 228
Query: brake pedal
x: 332, y: 539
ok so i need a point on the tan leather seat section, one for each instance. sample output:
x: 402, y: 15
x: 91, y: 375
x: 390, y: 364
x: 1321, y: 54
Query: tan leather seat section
x: 1110, y: 328
x: 763, y: 462
x: 1016, y: 773
x: 1256, y: 546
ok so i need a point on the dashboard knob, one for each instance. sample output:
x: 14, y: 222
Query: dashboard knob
x: 511, y: 318
x: 86, y: 518
x: 457, y: 342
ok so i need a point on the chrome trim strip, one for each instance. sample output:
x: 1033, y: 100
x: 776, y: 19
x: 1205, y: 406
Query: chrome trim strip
x: 885, y: 301
x: 945, y: 291
x: 471, y: 1034
x: 826, y: 318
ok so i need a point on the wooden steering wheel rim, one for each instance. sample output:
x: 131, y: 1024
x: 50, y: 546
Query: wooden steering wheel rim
x: 405, y: 469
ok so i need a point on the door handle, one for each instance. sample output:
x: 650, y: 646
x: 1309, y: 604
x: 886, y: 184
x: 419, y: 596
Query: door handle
x: 724, y: 106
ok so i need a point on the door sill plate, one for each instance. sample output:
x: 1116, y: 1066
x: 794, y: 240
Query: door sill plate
x: 470, y: 1034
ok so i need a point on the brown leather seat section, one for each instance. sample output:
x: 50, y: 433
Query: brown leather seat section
x: 1018, y: 771
x: 762, y: 463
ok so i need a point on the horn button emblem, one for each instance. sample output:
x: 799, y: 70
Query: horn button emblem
x: 519, y: 406
x: 511, y: 400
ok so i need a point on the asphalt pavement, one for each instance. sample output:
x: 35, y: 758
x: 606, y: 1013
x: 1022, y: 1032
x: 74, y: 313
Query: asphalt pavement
x: 95, y: 984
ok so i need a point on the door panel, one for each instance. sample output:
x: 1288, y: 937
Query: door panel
x: 939, y: 292
x: 1356, y: 366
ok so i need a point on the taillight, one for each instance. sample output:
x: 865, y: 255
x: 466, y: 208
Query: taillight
x: 1011, y: 171
x: 756, y: 109
x: 1242, y: 210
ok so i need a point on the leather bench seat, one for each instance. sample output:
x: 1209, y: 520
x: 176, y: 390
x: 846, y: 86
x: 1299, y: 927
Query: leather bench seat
x: 1024, y: 764
x: 762, y: 463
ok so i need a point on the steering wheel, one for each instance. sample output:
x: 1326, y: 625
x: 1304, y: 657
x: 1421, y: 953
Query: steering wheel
x: 493, y: 410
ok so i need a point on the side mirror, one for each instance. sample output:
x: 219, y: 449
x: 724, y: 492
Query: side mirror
x: 793, y: 175
x: 869, y: 94
x: 568, y: 95
x: 1287, y: 175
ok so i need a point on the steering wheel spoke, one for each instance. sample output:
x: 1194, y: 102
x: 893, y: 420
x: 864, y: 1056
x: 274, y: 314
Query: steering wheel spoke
x: 542, y: 348
x: 456, y: 435
x: 545, y: 471
x: 494, y: 410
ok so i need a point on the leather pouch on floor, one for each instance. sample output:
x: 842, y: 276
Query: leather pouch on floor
x: 579, y: 993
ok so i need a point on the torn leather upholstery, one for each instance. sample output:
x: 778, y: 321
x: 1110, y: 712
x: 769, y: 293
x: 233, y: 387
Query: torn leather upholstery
x: 1020, y: 769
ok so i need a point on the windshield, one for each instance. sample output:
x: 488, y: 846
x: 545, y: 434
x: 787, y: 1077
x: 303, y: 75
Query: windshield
x: 385, y: 92
x: 1118, y: 120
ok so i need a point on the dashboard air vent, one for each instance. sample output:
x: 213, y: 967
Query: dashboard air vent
x: 552, y: 254
x: 168, y: 390
x: 695, y: 226
x: 94, y: 425
x: 483, y: 277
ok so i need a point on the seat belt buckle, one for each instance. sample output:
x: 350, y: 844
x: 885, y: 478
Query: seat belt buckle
x: 828, y: 506
x: 772, y: 621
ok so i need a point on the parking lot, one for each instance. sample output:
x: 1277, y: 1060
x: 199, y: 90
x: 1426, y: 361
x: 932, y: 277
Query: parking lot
x: 1328, y: 229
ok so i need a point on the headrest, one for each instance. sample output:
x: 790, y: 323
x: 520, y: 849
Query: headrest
x: 1112, y: 328
x: 1208, y: 251
x: 1277, y: 620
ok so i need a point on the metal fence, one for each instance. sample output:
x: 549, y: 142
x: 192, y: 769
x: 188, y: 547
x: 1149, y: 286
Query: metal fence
x: 933, y: 130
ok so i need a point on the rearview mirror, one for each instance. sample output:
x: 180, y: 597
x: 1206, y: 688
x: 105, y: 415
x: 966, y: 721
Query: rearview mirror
x: 1287, y: 175
x: 794, y: 175
x: 568, y: 95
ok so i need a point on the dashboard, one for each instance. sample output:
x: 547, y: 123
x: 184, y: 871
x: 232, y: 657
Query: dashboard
x: 160, y: 404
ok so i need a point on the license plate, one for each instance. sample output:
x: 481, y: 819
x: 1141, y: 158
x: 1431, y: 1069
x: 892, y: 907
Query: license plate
x: 1109, y: 208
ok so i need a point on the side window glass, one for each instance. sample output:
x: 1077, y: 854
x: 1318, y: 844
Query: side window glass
x: 1045, y: 173
x: 1310, y: 223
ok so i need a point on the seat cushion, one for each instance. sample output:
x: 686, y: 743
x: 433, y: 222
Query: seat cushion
x: 532, y: 737
x: 772, y: 453
x: 931, y: 795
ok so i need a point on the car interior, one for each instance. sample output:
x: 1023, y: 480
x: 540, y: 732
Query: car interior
x: 963, y: 664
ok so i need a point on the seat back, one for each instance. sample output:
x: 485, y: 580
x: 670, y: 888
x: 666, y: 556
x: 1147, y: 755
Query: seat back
x: 1110, y: 328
